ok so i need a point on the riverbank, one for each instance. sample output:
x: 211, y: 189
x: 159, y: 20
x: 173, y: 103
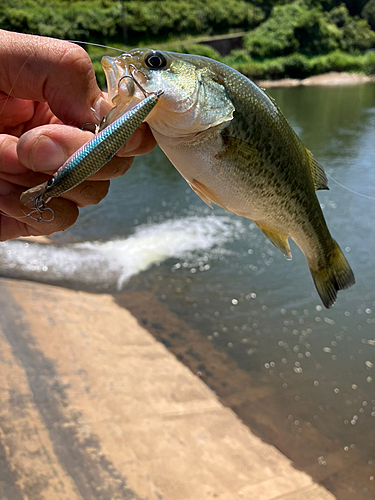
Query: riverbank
x: 93, y: 407
x: 330, y: 79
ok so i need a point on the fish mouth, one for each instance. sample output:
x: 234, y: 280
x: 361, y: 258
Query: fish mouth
x: 128, y: 81
x: 124, y: 88
x: 114, y: 68
x: 130, y: 65
x: 124, y: 78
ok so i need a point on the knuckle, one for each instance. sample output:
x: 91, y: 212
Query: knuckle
x: 75, y: 58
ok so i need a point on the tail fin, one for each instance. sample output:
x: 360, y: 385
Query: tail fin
x: 337, y: 275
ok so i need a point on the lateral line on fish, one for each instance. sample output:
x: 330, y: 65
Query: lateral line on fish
x: 350, y: 190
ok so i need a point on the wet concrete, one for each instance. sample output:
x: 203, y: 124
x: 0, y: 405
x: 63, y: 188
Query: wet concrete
x: 93, y: 407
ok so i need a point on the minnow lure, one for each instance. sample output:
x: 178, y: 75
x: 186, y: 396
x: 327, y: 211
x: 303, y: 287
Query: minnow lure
x: 90, y: 158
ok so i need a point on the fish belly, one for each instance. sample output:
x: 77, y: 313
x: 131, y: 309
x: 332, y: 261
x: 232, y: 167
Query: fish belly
x: 242, y: 185
x: 212, y: 176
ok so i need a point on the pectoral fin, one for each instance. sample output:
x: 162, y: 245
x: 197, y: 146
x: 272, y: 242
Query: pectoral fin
x: 317, y: 172
x: 205, y: 193
x: 280, y: 241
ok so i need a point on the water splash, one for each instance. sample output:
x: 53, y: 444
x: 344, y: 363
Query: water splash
x: 112, y: 263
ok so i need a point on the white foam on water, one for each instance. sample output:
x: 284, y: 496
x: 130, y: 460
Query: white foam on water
x: 118, y: 260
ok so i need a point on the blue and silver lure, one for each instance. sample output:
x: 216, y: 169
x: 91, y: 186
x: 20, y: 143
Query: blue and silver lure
x: 90, y: 158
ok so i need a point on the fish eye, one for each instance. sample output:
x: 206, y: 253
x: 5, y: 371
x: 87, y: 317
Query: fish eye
x: 155, y: 60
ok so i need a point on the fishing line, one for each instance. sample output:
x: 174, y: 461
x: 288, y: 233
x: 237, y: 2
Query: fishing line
x: 31, y: 215
x: 28, y: 57
x: 25, y: 216
x: 350, y: 190
x: 14, y: 84
x: 95, y: 45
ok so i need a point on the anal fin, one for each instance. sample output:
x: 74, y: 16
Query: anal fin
x: 205, y: 193
x: 280, y: 241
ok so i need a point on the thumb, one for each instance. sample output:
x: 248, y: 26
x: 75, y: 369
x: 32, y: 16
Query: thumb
x: 53, y: 71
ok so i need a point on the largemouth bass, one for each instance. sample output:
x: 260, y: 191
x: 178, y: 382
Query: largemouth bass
x: 234, y: 147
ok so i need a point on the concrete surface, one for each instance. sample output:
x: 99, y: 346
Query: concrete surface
x: 93, y: 407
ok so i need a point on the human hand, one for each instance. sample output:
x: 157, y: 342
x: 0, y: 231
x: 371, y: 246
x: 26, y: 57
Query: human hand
x: 47, y: 90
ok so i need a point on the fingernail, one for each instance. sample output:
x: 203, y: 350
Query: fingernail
x: 101, y: 108
x: 134, y: 142
x: 5, y: 188
x: 46, y: 154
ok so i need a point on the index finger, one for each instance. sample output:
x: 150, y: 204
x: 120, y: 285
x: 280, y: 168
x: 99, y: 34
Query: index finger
x: 45, y: 69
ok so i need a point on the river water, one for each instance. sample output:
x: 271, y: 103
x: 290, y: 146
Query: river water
x: 314, y: 369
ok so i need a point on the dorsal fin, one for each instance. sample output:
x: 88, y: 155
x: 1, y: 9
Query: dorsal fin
x: 317, y: 172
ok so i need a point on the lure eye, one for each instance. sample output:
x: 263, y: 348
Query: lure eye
x: 50, y: 182
x: 155, y: 60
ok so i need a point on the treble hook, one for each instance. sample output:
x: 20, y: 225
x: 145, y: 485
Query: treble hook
x: 115, y: 112
x: 89, y: 126
x: 39, y: 204
x: 134, y: 70
x: 41, y: 218
x: 39, y: 209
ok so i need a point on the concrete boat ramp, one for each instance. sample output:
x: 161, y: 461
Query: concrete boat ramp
x: 92, y: 407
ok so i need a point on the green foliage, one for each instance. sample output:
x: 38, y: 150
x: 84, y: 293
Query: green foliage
x: 194, y: 48
x: 297, y: 38
x: 368, y: 13
x: 78, y: 20
x: 302, y: 66
x: 99, y: 73
x: 300, y: 27
x: 369, y: 63
x: 290, y: 28
x: 105, y: 20
x: 354, y: 6
x: 354, y: 35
